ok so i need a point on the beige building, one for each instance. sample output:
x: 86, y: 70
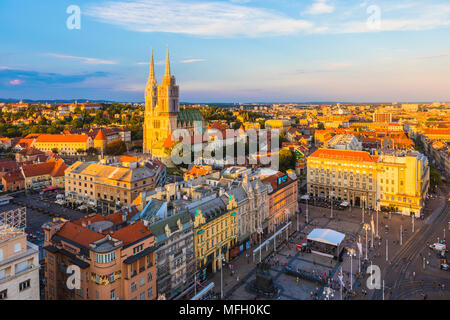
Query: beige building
x: 111, y: 186
x: 403, y: 181
x: 19, y: 263
x: 400, y: 181
x: 343, y: 175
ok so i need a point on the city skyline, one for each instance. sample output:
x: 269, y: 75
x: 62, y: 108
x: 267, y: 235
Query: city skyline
x: 229, y: 51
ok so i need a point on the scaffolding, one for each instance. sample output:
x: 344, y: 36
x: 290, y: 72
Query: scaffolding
x: 12, y: 223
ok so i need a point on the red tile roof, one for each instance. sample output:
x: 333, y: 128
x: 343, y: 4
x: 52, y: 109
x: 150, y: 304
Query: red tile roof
x: 62, y: 138
x: 348, y: 155
x: 100, y: 136
x: 13, y: 176
x: 132, y: 233
x: 55, y: 169
x: 78, y: 234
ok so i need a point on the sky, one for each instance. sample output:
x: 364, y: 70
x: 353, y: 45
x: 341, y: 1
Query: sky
x: 227, y: 50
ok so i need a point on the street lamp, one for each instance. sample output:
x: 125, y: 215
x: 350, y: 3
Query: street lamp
x: 351, y: 253
x: 331, y: 200
x: 366, y: 227
x: 378, y: 208
x: 401, y: 234
x: 307, y: 209
x: 363, y: 205
x: 221, y: 258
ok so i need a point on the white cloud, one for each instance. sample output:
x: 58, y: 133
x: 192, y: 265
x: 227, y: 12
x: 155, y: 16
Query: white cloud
x: 320, y: 7
x: 211, y: 19
x: 82, y: 59
x: 192, y: 60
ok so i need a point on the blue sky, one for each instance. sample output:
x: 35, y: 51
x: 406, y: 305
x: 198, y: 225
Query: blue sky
x: 228, y: 50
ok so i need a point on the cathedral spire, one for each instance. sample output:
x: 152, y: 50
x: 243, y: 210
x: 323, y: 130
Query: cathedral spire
x: 151, y: 76
x: 167, y: 64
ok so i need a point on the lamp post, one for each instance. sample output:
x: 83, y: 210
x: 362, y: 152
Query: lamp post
x: 331, y: 200
x: 363, y: 205
x: 401, y: 234
x: 351, y: 253
x: 387, y: 250
x: 307, y: 210
x: 222, y: 258
x: 366, y: 227
x: 378, y: 208
x: 372, y: 231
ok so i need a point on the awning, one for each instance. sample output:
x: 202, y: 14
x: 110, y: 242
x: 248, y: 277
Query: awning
x: 51, y: 188
x: 327, y: 236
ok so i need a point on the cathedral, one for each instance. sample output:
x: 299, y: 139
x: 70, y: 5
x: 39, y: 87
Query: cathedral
x: 163, y: 114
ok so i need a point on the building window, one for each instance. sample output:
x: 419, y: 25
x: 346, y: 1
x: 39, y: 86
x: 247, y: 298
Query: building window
x: 149, y: 277
x: 133, y: 287
x: 143, y: 296
x: 111, y: 277
x: 3, y: 294
x: 113, y: 294
x: 150, y: 292
x: 24, y: 285
x: 142, y: 281
x: 17, y: 247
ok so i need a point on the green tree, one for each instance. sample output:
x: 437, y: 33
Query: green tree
x: 321, y: 126
x: 116, y: 148
x: 287, y: 160
x: 435, y: 177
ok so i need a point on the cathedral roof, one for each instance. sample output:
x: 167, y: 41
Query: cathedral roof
x: 189, y: 115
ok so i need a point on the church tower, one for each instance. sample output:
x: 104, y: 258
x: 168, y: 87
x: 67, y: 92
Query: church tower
x: 151, y: 99
x: 161, y: 110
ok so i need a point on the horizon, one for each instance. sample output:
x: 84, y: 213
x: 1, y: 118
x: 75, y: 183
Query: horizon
x: 248, y: 51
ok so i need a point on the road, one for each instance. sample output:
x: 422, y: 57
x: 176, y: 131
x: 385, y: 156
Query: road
x: 398, y: 275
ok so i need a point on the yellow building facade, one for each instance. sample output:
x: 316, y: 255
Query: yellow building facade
x: 64, y: 144
x: 397, y: 183
x: 215, y: 233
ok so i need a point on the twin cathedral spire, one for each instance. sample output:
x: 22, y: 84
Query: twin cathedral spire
x: 161, y: 107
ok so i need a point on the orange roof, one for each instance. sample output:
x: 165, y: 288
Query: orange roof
x: 132, y: 233
x: 28, y: 142
x: 13, y: 176
x: 437, y: 131
x: 169, y: 142
x: 198, y: 171
x: 62, y: 138
x: 100, y: 136
x: 78, y: 234
x: 273, y: 180
x: 128, y: 159
x: 55, y: 169
x: 59, y: 168
x: 348, y: 155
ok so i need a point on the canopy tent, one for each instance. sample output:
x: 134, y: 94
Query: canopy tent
x: 50, y: 188
x: 304, y: 197
x: 327, y: 236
